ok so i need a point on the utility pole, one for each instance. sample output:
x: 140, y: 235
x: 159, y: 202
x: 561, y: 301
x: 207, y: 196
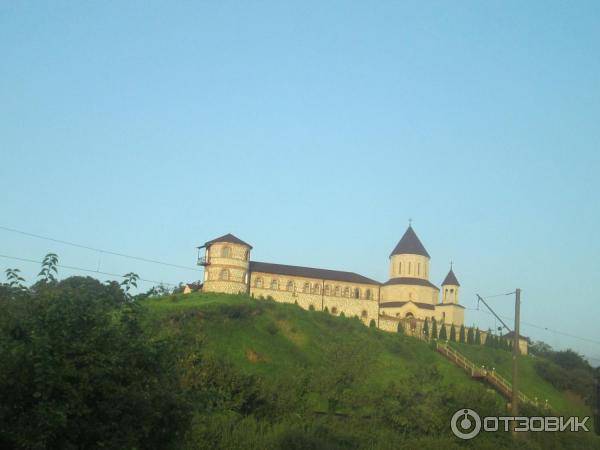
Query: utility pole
x: 597, y: 408
x: 515, y: 365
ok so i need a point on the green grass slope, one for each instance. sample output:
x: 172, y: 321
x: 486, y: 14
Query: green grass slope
x: 384, y: 387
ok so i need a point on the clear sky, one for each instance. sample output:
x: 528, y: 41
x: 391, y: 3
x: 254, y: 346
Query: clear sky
x: 314, y: 131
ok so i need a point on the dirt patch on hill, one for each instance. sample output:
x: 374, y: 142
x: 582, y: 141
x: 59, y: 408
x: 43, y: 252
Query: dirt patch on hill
x: 290, y: 332
x: 255, y: 357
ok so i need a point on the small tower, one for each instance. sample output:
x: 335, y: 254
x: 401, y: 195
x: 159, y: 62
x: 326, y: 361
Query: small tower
x: 450, y: 287
x: 226, y: 264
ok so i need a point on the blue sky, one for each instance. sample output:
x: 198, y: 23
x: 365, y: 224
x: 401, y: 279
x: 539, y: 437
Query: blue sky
x: 313, y: 130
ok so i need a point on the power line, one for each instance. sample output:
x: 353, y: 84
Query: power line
x: 87, y: 247
x: 85, y: 270
x: 544, y: 328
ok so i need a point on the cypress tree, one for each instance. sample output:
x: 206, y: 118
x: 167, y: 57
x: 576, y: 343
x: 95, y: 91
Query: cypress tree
x: 461, y: 337
x: 443, y: 333
x: 477, y: 336
x: 426, y: 327
x: 452, y: 333
x: 434, y: 330
x: 488, y: 338
x: 400, y: 328
x: 372, y: 324
x: 470, y: 336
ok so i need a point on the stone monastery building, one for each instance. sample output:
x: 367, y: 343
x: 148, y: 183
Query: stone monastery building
x: 408, y: 294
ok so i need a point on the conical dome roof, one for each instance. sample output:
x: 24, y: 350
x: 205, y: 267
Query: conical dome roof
x: 410, y: 244
x: 450, y: 279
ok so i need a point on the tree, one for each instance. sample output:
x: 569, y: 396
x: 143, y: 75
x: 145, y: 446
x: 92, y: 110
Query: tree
x: 426, y: 327
x: 443, y: 333
x: 372, y: 324
x: 461, y: 338
x: 470, y: 336
x: 434, y: 329
x: 76, y: 359
x: 477, y: 336
x: 49, y: 268
x: 489, y: 338
x: 14, y: 279
x: 130, y: 281
x: 452, y: 333
x: 400, y: 328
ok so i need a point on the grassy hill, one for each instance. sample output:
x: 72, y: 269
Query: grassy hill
x: 365, y: 387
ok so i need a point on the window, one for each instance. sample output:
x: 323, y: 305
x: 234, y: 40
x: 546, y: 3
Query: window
x: 306, y: 288
x: 275, y: 285
x: 443, y: 316
x: 409, y: 267
x: 368, y: 294
x: 357, y: 293
x: 334, y: 310
x: 317, y: 289
x: 419, y: 269
x: 364, y: 313
x: 346, y: 291
x: 290, y: 286
x: 327, y: 289
x: 409, y: 315
x: 224, y: 275
x: 337, y: 291
x: 452, y: 291
x: 400, y: 268
x: 258, y: 283
x: 246, y: 255
x: 226, y: 252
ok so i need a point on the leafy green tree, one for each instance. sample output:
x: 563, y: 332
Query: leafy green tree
x: 452, y: 333
x: 14, y: 279
x: 81, y: 372
x: 434, y: 329
x: 470, y: 336
x: 443, y: 332
x: 49, y: 268
x: 130, y: 281
x: 426, y: 327
x: 477, y: 336
x: 461, y: 338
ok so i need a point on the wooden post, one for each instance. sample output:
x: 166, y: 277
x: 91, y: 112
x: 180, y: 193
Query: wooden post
x: 515, y: 366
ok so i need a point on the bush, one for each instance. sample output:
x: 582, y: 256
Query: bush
x: 372, y: 323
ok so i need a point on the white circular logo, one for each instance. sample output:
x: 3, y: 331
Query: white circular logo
x: 465, y: 424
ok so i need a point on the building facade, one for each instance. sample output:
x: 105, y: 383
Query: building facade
x: 408, y: 293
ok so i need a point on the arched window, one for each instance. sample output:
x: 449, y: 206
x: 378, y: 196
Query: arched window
x: 400, y: 268
x: 357, y: 293
x: 452, y: 291
x: 275, y: 285
x: 346, y: 291
x: 364, y: 313
x: 368, y: 294
x: 258, y: 283
x: 224, y: 275
x: 419, y: 269
x: 290, y: 286
x: 409, y: 315
x: 327, y: 289
x: 334, y: 310
x: 337, y: 291
x: 226, y: 252
x: 409, y: 267
x: 317, y: 289
x: 306, y: 288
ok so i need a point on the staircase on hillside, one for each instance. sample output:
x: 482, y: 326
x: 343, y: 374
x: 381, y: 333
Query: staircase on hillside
x: 498, y: 382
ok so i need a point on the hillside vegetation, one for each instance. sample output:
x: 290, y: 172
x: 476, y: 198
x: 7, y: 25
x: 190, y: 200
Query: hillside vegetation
x: 86, y: 366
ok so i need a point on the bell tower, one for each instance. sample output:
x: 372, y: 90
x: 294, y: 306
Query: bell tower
x: 450, y: 287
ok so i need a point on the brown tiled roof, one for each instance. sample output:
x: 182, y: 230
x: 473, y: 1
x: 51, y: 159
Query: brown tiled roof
x: 411, y: 281
x: 227, y: 238
x: 409, y: 244
x: 450, y: 279
x: 398, y: 304
x: 309, y: 272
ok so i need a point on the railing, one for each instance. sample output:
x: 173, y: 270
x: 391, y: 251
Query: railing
x: 203, y: 261
x: 495, y: 379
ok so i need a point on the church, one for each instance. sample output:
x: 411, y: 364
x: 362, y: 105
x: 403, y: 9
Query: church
x: 407, y: 294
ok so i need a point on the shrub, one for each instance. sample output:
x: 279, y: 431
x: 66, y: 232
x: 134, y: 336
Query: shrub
x: 372, y: 323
